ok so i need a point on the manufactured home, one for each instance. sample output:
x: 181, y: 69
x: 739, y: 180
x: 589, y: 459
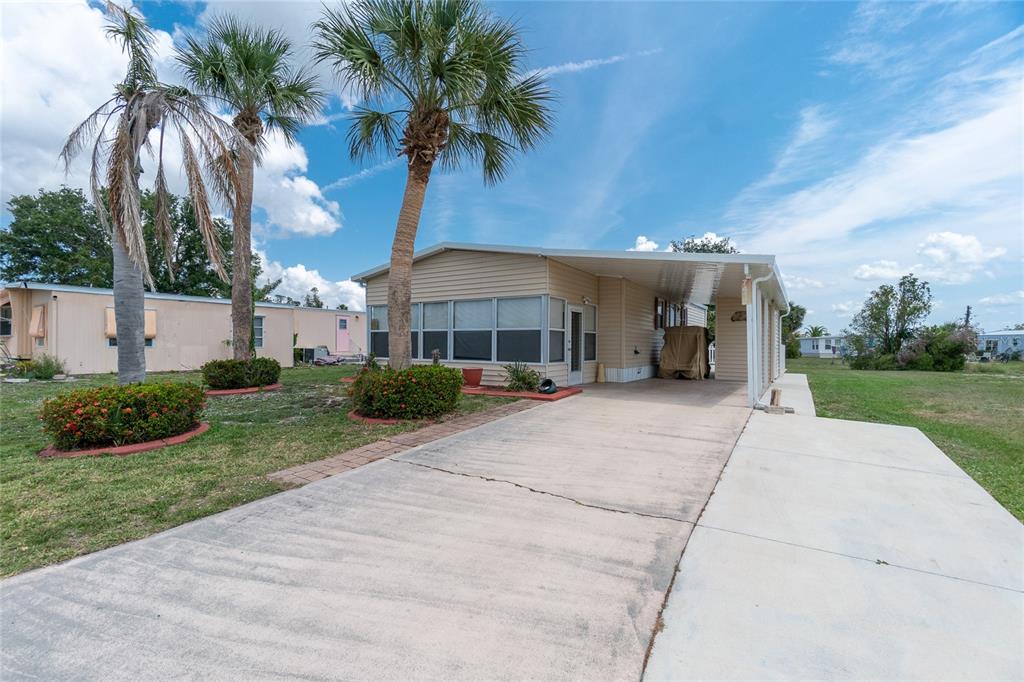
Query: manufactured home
x: 567, y: 312
x: 76, y: 325
x: 824, y: 346
x: 1005, y: 341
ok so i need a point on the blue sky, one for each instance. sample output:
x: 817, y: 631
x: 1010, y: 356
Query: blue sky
x: 855, y: 141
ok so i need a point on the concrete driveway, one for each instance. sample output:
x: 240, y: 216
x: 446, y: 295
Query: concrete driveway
x: 836, y: 549
x: 537, y: 546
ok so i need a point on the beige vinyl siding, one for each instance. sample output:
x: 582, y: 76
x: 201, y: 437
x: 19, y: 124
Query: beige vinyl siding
x: 730, y: 341
x: 573, y: 285
x: 638, y: 327
x: 610, y: 319
x: 696, y: 316
x: 454, y: 275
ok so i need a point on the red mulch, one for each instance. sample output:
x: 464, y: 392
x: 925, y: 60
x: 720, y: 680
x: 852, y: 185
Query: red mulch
x: 502, y: 393
x: 240, y: 391
x: 130, y: 449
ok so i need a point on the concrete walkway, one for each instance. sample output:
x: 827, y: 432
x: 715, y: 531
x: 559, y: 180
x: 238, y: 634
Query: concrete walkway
x: 838, y: 549
x: 538, y: 546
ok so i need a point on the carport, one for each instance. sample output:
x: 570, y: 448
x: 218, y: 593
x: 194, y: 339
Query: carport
x: 576, y: 315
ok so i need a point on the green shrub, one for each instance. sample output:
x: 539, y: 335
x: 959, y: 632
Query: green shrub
x: 47, y: 367
x: 938, y: 349
x: 421, y: 391
x: 118, y: 415
x: 874, y: 361
x: 793, y: 348
x: 521, y: 378
x: 23, y: 368
x: 225, y: 374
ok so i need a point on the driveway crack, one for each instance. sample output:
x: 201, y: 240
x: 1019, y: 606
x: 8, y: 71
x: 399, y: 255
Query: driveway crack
x: 542, y: 492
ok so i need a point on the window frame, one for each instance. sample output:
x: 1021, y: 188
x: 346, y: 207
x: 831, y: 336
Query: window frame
x: 563, y: 329
x: 370, y: 331
x: 492, y: 330
x: 449, y: 322
x: 257, y: 340
x: 594, y: 333
x: 498, y: 329
x: 8, y: 320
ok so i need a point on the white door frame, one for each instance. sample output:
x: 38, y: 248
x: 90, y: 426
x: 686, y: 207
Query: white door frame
x: 575, y: 377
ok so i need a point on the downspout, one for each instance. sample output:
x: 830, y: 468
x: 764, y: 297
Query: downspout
x: 754, y: 340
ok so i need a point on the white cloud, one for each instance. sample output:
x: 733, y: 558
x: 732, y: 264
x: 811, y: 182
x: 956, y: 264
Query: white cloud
x: 880, y: 269
x: 587, y: 64
x: 796, y: 282
x: 1014, y: 297
x: 50, y: 86
x: 297, y: 280
x: 644, y: 244
x: 949, y: 258
x: 365, y: 173
x: 846, y: 308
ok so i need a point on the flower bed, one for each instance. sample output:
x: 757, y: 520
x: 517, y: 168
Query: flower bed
x: 233, y: 374
x: 121, y: 415
x: 413, y: 393
x: 122, y: 450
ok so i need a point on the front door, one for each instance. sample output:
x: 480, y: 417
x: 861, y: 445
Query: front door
x: 342, y: 340
x: 575, y: 345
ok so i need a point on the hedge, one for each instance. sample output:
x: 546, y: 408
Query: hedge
x: 222, y: 374
x: 120, y: 415
x: 422, y: 391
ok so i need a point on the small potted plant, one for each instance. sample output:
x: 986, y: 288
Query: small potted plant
x: 472, y: 376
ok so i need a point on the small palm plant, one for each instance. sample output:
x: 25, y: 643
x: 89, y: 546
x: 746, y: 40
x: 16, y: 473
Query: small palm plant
x: 817, y: 330
x: 442, y: 81
x: 247, y: 69
x: 140, y: 104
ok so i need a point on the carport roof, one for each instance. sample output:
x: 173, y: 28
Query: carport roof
x: 693, y: 277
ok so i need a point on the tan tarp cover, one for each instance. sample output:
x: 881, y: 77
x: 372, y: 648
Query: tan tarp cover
x: 685, y: 354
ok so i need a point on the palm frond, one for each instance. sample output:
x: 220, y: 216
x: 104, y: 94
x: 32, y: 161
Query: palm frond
x: 161, y: 209
x: 371, y: 133
x: 129, y: 28
x: 201, y: 205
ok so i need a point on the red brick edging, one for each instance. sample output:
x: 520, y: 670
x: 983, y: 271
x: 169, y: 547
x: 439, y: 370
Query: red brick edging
x: 302, y: 474
x: 130, y: 449
x: 240, y: 391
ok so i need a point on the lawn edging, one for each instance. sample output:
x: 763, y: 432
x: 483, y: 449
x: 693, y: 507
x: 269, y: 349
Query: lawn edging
x: 214, y: 392
x: 528, y: 395
x: 50, y: 452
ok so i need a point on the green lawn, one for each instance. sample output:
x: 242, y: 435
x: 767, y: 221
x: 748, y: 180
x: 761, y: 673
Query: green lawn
x: 51, y: 510
x: 975, y: 416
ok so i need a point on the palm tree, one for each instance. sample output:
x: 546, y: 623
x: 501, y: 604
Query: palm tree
x: 442, y: 82
x: 247, y: 69
x: 140, y: 104
x: 817, y: 330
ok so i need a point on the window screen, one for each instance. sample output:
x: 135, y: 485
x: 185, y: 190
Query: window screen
x: 257, y: 331
x: 518, y: 345
x: 379, y: 318
x: 519, y: 313
x: 379, y: 344
x: 435, y: 341
x: 474, y: 314
x: 556, y: 313
x: 435, y: 316
x: 472, y: 345
x: 556, y: 346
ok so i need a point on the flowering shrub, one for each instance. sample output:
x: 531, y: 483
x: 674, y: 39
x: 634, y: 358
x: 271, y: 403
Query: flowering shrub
x: 221, y: 374
x: 119, y: 415
x: 422, y: 391
x: 521, y: 377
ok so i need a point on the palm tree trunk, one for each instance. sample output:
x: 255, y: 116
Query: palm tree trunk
x: 400, y: 275
x: 129, y: 316
x: 241, y: 258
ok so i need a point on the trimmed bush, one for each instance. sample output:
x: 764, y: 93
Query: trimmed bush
x: 521, y: 378
x: 44, y: 367
x: 120, y: 415
x: 421, y: 391
x: 224, y: 374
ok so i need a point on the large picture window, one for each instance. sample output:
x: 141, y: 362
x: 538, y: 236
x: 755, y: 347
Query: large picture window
x: 474, y: 324
x: 379, y: 330
x: 556, y: 330
x: 519, y: 329
x: 435, y: 330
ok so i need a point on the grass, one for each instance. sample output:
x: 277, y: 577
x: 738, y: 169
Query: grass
x: 975, y: 416
x: 52, y: 510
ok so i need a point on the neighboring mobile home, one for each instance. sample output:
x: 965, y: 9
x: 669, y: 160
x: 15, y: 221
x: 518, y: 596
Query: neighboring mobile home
x: 1005, y: 341
x: 566, y: 311
x: 76, y: 325
x: 823, y: 346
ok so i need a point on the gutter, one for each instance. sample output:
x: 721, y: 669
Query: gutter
x: 753, y: 338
